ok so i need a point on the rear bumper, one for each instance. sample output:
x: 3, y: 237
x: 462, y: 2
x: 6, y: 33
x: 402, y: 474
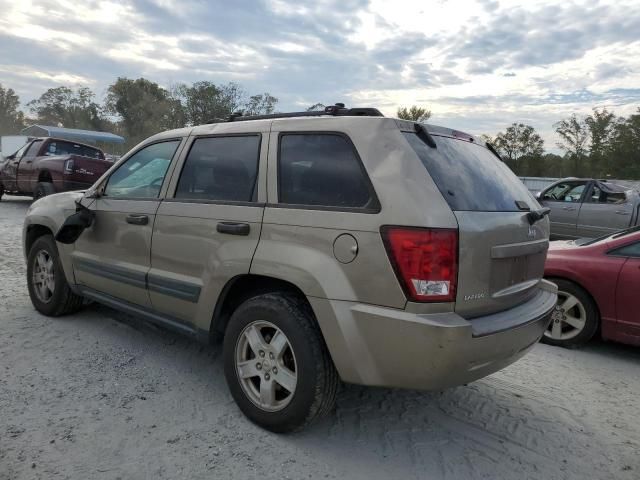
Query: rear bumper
x: 379, y: 346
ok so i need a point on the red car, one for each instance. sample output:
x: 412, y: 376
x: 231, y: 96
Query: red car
x: 598, y: 289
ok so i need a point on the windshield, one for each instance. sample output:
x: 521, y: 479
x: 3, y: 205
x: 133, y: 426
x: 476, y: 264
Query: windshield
x: 470, y: 177
x: 618, y: 234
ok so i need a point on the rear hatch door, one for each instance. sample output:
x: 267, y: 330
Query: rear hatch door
x: 501, y: 255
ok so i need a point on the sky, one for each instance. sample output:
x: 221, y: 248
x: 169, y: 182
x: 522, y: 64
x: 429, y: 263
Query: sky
x: 478, y: 65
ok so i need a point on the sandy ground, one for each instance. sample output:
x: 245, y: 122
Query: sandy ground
x: 103, y: 395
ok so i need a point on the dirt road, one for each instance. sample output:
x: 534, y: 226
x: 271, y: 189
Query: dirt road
x: 103, y: 395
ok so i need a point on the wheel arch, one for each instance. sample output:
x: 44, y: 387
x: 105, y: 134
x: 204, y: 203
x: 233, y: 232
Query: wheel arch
x: 551, y: 278
x: 44, y: 175
x: 32, y: 233
x: 241, y: 288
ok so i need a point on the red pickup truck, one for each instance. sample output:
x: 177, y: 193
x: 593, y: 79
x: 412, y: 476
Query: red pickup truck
x: 49, y: 165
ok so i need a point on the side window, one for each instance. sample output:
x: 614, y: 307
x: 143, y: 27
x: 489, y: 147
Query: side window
x: 322, y: 169
x: 33, y: 149
x: 142, y: 174
x: 221, y: 168
x: 632, y: 250
x: 564, y: 192
x: 600, y: 196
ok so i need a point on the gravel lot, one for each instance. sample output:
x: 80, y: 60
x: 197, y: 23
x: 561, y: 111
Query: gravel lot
x: 104, y: 395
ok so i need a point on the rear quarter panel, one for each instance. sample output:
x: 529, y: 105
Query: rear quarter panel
x: 297, y: 244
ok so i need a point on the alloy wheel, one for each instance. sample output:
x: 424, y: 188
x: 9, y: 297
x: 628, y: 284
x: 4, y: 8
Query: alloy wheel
x: 568, y: 319
x: 266, y: 366
x: 43, y: 276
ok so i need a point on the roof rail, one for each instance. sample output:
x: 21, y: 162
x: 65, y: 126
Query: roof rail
x: 337, y: 110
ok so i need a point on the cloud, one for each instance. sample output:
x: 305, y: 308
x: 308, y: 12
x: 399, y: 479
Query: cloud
x: 478, y: 64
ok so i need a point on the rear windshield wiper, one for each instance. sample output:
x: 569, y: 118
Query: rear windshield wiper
x: 537, y: 215
x: 424, y: 135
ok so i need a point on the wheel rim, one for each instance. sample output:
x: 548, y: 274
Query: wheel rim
x: 266, y: 366
x: 568, y: 318
x: 43, y: 276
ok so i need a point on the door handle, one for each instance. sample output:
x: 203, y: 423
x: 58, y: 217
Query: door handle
x: 233, y: 228
x: 28, y: 161
x: 570, y: 209
x: 622, y: 212
x: 137, y: 219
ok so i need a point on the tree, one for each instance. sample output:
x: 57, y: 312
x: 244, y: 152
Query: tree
x: 600, y: 126
x: 262, y: 104
x: 414, y: 113
x: 205, y: 102
x: 520, y: 147
x: 68, y: 108
x: 316, y: 107
x: 624, y: 151
x: 574, y: 135
x: 11, y: 118
x: 144, y: 108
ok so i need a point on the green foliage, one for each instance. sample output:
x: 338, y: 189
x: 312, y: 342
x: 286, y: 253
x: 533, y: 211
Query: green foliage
x: 316, y: 107
x: 262, y: 104
x: 143, y: 107
x: 62, y: 106
x: 574, y: 135
x: 205, y: 102
x: 599, y: 145
x: 414, y: 113
x: 11, y: 118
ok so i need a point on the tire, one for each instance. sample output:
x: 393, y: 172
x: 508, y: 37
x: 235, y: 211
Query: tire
x: 43, y: 189
x: 305, y: 355
x: 1, y: 191
x: 564, y: 334
x: 56, y: 298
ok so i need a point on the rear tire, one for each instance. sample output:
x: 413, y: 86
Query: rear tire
x: 43, y: 189
x: 1, y: 191
x: 253, y: 362
x: 48, y: 288
x: 575, y: 319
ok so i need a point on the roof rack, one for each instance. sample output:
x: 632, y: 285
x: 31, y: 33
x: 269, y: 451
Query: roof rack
x: 337, y: 110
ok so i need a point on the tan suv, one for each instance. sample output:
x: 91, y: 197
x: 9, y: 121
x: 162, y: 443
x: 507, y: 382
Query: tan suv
x: 321, y: 245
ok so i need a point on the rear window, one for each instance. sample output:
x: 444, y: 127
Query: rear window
x: 69, y: 148
x: 469, y: 176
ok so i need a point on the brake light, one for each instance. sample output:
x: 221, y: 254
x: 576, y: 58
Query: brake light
x: 425, y: 261
x: 68, y: 165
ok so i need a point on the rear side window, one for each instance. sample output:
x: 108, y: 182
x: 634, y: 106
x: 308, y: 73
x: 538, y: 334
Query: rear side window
x: 221, y: 168
x: 322, y: 169
x: 600, y: 196
x: 469, y: 176
x: 632, y: 250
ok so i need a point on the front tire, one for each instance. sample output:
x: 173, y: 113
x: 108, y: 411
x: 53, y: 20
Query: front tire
x: 48, y: 288
x: 276, y: 363
x: 575, y: 319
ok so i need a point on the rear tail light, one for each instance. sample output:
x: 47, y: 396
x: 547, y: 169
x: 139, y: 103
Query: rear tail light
x: 68, y: 165
x: 425, y: 261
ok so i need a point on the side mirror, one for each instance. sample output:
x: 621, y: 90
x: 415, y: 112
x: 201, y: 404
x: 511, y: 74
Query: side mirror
x: 538, y: 195
x: 75, y: 224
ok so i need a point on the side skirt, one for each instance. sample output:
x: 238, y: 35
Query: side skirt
x: 144, y: 313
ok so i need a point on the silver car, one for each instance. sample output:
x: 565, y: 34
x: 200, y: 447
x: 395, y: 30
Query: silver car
x: 589, y: 208
x: 322, y: 246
